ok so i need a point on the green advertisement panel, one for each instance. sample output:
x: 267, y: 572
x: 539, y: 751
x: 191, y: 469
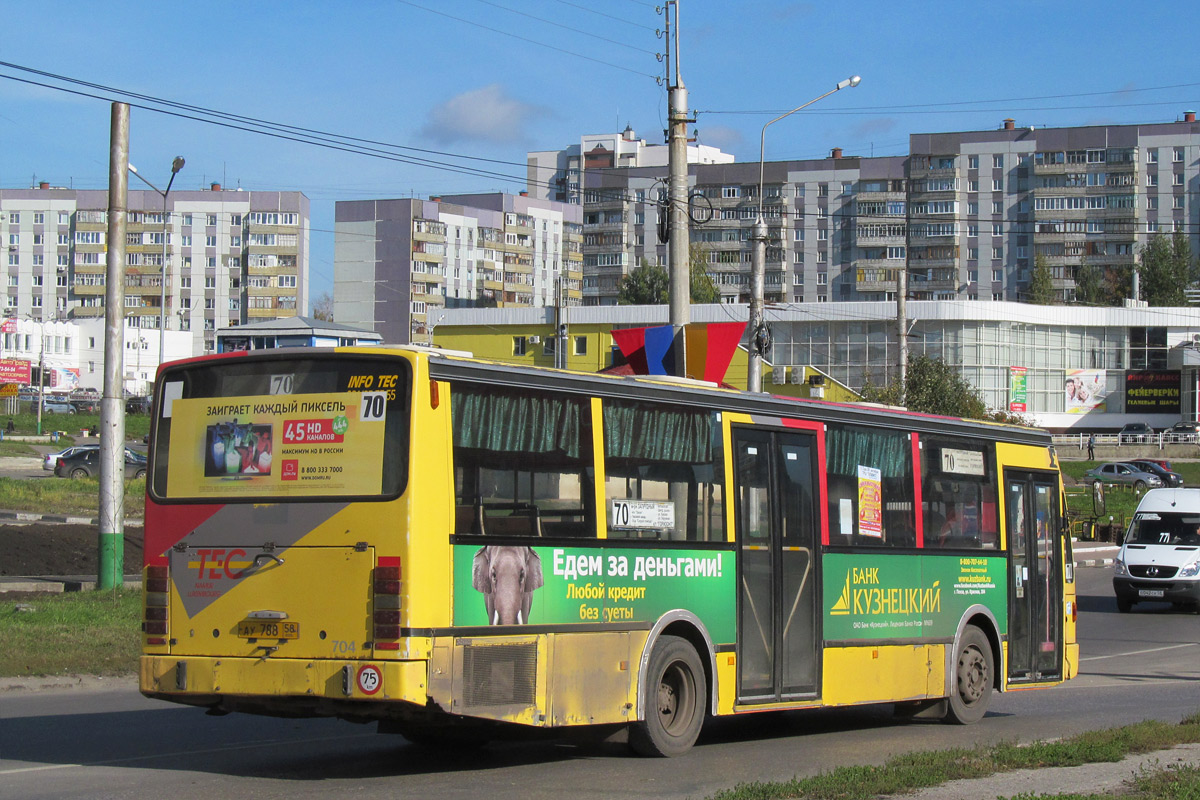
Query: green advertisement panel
x: 513, y: 585
x: 881, y: 596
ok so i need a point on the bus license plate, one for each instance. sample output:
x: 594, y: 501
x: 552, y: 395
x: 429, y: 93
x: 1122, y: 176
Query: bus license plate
x: 1150, y: 592
x: 268, y: 629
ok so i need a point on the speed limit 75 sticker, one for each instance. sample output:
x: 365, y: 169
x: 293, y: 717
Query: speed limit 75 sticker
x: 369, y: 679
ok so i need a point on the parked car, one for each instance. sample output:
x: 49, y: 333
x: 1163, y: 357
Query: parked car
x: 1135, y: 432
x: 1122, y: 472
x: 86, y: 464
x: 57, y: 406
x: 50, y: 460
x: 1169, y: 477
x: 137, y: 405
x: 85, y: 405
x: 1184, y: 431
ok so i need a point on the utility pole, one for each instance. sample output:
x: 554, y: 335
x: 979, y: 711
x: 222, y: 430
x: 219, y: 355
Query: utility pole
x: 112, y: 410
x: 677, y: 194
x: 902, y: 290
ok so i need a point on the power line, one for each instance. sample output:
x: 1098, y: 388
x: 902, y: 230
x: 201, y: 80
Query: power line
x: 526, y: 39
x: 567, y: 27
x: 610, y: 16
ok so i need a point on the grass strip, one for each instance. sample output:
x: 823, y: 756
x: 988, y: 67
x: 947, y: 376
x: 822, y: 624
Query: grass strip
x: 88, y: 633
x: 912, y: 771
x: 67, y: 496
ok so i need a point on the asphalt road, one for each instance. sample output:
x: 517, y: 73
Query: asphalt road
x: 115, y: 744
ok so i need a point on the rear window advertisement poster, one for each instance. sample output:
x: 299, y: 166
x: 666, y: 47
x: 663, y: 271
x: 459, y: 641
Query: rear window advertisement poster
x: 1085, y: 390
x: 870, y: 501
x: 325, y: 444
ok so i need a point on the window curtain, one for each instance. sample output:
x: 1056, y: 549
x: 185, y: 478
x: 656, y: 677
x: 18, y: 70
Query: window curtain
x: 850, y: 447
x: 652, y: 433
x: 515, y: 423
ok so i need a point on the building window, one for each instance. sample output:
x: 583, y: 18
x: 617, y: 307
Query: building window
x: 1177, y: 154
x: 1152, y: 179
x: 211, y: 219
x: 998, y: 207
x: 1151, y: 203
x: 1176, y: 180
x: 997, y: 254
x: 972, y: 253
x: 972, y: 186
x: 972, y: 230
x: 519, y: 345
x: 1152, y: 155
x: 997, y: 276
x: 972, y: 162
x: 972, y: 209
x: 997, y: 184
x: 1177, y: 202
x: 580, y: 345
x: 998, y: 162
x: 997, y: 229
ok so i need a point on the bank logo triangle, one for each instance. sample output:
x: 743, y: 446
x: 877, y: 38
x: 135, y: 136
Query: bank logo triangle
x: 842, y: 606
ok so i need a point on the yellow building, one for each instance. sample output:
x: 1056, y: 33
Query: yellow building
x: 528, y: 336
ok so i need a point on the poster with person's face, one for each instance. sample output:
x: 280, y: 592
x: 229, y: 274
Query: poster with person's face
x: 1085, y: 390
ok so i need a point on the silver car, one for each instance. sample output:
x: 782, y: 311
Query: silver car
x: 1122, y: 472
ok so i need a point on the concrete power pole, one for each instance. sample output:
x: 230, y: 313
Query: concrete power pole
x: 902, y: 293
x: 677, y: 193
x: 112, y: 409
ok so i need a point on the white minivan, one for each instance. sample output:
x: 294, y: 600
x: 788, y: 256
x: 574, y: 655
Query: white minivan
x: 1159, y: 559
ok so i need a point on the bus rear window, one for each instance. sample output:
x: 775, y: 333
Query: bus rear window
x: 271, y: 429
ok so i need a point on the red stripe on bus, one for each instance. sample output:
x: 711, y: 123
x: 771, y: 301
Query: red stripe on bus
x: 166, y: 525
x: 916, y: 461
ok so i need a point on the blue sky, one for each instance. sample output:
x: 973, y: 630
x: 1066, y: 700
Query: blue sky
x: 493, y: 79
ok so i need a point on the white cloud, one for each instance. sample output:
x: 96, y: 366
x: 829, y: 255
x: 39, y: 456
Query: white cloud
x: 487, y: 114
x: 720, y: 136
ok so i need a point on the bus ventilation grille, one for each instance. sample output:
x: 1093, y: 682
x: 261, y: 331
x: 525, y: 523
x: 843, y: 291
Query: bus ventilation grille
x: 499, y: 674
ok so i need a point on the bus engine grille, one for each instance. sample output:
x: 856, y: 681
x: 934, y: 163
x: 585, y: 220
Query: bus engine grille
x: 499, y: 674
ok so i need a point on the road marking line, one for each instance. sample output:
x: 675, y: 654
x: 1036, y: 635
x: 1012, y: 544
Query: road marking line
x: 1140, y: 652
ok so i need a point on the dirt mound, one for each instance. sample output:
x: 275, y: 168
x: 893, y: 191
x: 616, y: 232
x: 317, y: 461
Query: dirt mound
x: 41, y: 549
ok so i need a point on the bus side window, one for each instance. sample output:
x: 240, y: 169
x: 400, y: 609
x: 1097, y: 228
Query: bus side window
x: 664, y: 471
x: 522, y: 463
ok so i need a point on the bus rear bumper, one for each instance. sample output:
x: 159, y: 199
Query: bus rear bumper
x: 287, y: 687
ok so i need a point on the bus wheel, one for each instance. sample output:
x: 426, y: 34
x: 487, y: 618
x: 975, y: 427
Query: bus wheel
x: 973, y: 673
x: 675, y: 697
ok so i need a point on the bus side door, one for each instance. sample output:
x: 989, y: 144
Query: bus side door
x: 1035, y: 636
x: 778, y: 520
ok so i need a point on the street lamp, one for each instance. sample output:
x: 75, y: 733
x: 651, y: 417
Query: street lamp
x: 759, y: 267
x: 176, y: 165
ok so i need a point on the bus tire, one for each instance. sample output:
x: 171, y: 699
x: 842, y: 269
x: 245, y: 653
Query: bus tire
x: 676, y: 693
x: 974, y: 672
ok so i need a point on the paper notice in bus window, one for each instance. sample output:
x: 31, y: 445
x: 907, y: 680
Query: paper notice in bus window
x: 643, y: 515
x: 962, y: 462
x: 296, y: 446
x: 870, y: 501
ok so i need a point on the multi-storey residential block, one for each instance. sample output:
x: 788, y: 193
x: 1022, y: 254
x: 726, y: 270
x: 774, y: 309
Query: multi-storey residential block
x: 967, y: 213
x: 559, y: 174
x: 398, y: 261
x: 230, y: 257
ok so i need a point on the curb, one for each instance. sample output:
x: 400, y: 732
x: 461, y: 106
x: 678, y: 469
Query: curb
x: 30, y: 516
x: 60, y: 585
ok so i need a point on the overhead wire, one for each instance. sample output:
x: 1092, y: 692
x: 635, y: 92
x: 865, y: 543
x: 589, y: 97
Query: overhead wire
x: 566, y: 27
x: 526, y: 39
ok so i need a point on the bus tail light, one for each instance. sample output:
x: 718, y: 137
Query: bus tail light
x: 156, y: 598
x: 386, y: 587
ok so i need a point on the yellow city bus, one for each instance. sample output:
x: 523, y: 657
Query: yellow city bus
x: 453, y: 547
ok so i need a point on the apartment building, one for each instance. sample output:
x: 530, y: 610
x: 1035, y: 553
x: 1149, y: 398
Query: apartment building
x: 967, y: 213
x: 397, y: 262
x: 559, y: 174
x: 229, y: 257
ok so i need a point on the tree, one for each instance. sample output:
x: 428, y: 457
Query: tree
x: 322, y: 307
x: 1041, y: 283
x: 1165, y: 268
x: 645, y: 285
x: 932, y: 387
x: 1089, y: 285
x: 649, y: 284
x: 703, y: 289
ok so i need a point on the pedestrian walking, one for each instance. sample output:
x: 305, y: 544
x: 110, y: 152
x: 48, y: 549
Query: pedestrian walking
x: 1091, y: 447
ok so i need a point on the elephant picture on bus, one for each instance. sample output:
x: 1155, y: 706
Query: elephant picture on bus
x: 507, y: 576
